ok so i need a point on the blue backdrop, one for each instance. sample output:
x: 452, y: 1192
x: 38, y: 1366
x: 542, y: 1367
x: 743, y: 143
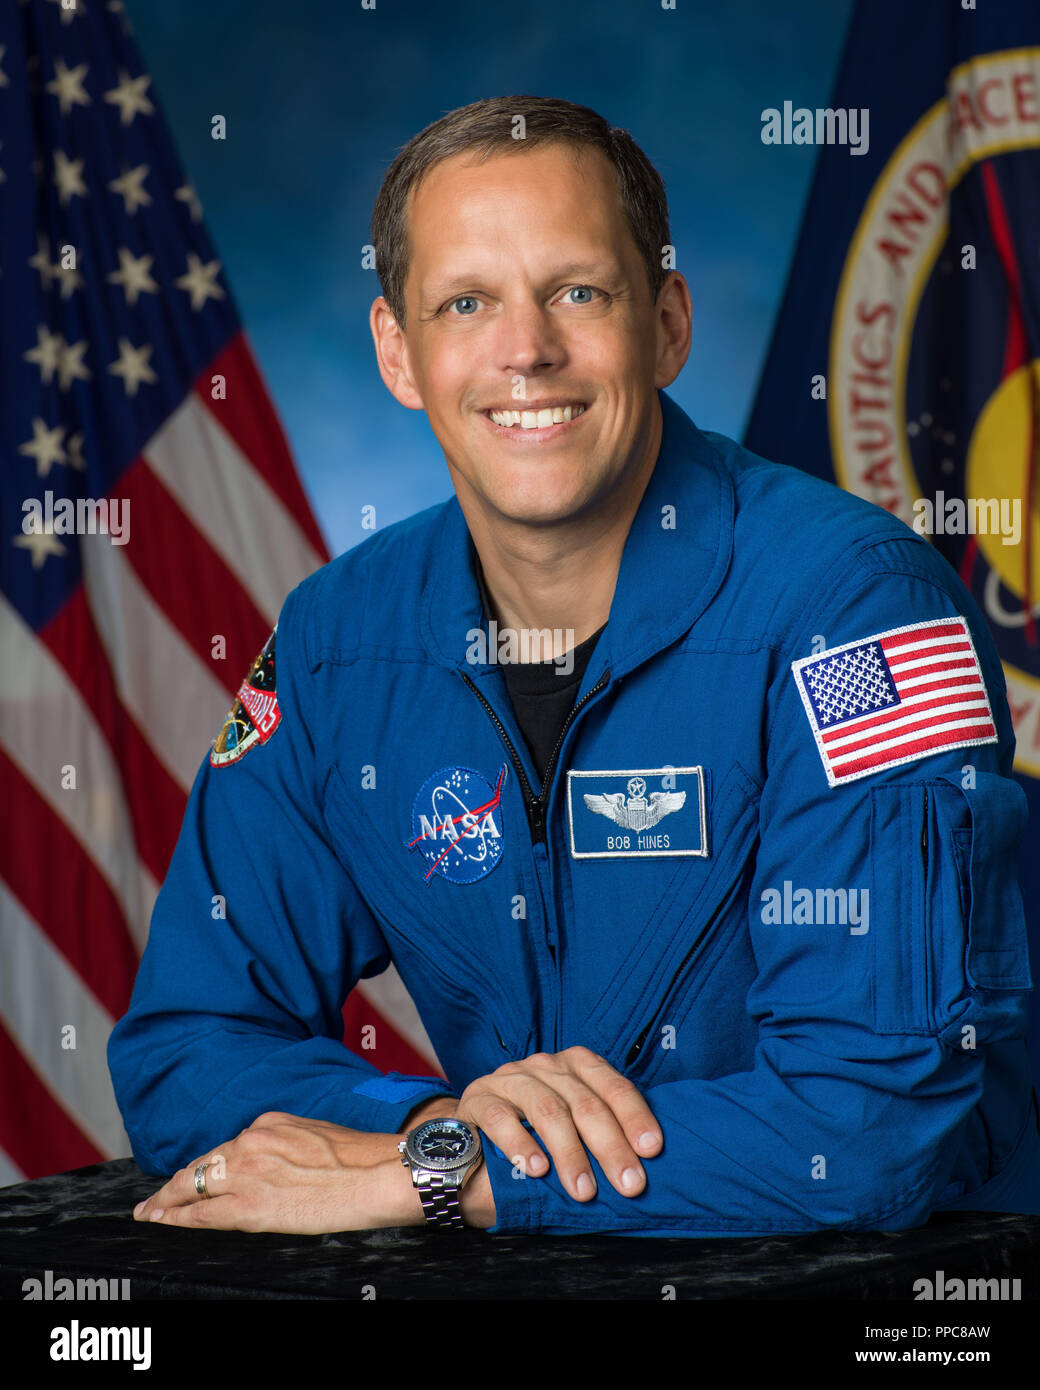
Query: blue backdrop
x: 319, y: 95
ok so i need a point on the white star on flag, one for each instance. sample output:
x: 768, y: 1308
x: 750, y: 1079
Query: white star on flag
x: 129, y: 96
x: 76, y: 459
x: 45, y: 446
x: 68, y: 177
x: 42, y: 260
x: 187, y: 194
x: 133, y: 275
x: 67, y: 86
x: 47, y: 352
x: 71, y: 367
x: 199, y: 281
x: 68, y: 277
x: 70, y: 9
x: 42, y: 543
x: 132, y: 366
x: 128, y: 186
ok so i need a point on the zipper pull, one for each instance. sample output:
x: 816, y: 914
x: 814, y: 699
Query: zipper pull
x: 537, y: 817
x: 637, y: 1046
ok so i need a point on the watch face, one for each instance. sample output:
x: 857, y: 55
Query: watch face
x: 442, y: 1143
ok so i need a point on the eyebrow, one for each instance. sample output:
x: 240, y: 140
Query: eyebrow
x: 437, y: 291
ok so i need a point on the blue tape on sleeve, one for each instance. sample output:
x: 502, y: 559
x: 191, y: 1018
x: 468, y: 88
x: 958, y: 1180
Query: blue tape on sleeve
x: 395, y: 1087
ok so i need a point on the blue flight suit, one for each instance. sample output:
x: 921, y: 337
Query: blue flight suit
x: 815, y: 973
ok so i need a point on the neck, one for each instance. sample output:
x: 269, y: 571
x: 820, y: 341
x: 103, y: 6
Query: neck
x: 560, y: 577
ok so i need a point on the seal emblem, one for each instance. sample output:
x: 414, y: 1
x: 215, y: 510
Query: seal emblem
x: 934, y: 377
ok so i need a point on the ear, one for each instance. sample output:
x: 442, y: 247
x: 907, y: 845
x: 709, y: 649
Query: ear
x: 674, y: 325
x: 392, y: 355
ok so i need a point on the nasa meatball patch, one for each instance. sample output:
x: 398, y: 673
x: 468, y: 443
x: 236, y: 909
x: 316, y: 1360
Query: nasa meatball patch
x: 254, y: 716
x: 457, y: 824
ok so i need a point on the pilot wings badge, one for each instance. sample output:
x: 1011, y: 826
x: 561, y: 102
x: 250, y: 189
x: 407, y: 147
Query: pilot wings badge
x: 637, y: 808
x: 638, y: 813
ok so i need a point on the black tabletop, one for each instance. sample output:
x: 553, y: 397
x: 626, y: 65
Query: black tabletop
x: 78, y: 1225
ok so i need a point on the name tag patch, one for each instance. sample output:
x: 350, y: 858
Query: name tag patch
x: 637, y: 813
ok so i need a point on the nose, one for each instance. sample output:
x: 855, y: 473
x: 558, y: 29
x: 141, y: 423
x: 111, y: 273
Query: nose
x: 528, y: 338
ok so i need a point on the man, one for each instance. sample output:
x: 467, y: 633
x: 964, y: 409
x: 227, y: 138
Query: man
x: 713, y: 923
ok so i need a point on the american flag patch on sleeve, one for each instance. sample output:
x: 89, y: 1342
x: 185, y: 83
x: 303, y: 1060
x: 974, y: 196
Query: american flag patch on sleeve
x: 894, y: 697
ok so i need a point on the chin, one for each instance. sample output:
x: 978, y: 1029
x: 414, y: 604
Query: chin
x: 540, y: 494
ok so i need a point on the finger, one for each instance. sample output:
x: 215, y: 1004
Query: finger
x: 625, y: 1099
x: 181, y: 1191
x: 549, y: 1113
x: 497, y: 1118
x: 594, y: 1116
x: 599, y: 1131
x: 227, y: 1213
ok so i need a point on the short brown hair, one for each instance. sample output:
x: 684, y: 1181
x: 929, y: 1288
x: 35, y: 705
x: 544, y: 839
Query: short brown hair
x: 487, y: 127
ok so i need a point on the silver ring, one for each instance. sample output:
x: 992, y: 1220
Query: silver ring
x: 200, y: 1179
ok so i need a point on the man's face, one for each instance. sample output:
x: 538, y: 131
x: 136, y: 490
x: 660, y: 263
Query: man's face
x: 526, y: 293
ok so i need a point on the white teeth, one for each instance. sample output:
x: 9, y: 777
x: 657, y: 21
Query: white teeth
x: 537, y: 419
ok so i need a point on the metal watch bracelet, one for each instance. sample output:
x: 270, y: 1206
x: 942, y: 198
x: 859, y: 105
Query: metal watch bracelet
x: 440, y: 1200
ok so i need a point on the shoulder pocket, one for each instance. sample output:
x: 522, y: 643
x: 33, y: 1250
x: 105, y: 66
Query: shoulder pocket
x: 950, y: 947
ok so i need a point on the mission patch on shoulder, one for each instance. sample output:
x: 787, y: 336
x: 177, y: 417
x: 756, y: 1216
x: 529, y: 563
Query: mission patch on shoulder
x: 255, y: 715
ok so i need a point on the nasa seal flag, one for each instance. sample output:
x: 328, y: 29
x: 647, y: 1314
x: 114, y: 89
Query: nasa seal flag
x: 457, y: 824
x: 254, y: 716
x: 915, y: 282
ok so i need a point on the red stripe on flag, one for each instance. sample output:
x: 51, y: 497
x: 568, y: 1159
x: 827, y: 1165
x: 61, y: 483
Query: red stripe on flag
x: 960, y: 683
x: 249, y: 417
x: 874, y: 721
x: 155, y: 799
x: 953, y: 651
x: 72, y: 903
x: 922, y: 634
x: 391, y: 1051
x: 38, y: 1134
x: 915, y: 749
x: 933, y: 666
x: 927, y: 721
x: 180, y: 569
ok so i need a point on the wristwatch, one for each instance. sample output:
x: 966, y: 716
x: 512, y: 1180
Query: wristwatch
x: 441, y: 1155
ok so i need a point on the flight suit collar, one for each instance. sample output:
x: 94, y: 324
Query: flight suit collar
x: 675, y: 556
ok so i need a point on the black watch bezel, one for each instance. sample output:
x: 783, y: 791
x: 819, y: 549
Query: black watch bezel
x: 441, y: 1165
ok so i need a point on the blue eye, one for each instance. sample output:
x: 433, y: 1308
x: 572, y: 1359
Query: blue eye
x: 582, y: 289
x: 465, y: 299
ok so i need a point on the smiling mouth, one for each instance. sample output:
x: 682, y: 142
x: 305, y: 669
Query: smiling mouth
x: 535, y: 419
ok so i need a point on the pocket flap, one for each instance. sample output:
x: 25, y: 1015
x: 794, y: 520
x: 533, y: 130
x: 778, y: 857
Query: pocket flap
x: 998, y: 952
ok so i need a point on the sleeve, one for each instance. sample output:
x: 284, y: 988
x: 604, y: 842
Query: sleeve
x: 872, y: 1036
x: 256, y: 938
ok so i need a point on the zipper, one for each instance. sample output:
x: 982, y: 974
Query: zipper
x: 637, y: 1046
x: 536, y: 805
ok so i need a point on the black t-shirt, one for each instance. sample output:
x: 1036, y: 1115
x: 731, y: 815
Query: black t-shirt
x: 541, y: 695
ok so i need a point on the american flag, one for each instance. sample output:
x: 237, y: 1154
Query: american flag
x: 125, y: 378
x: 894, y: 697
